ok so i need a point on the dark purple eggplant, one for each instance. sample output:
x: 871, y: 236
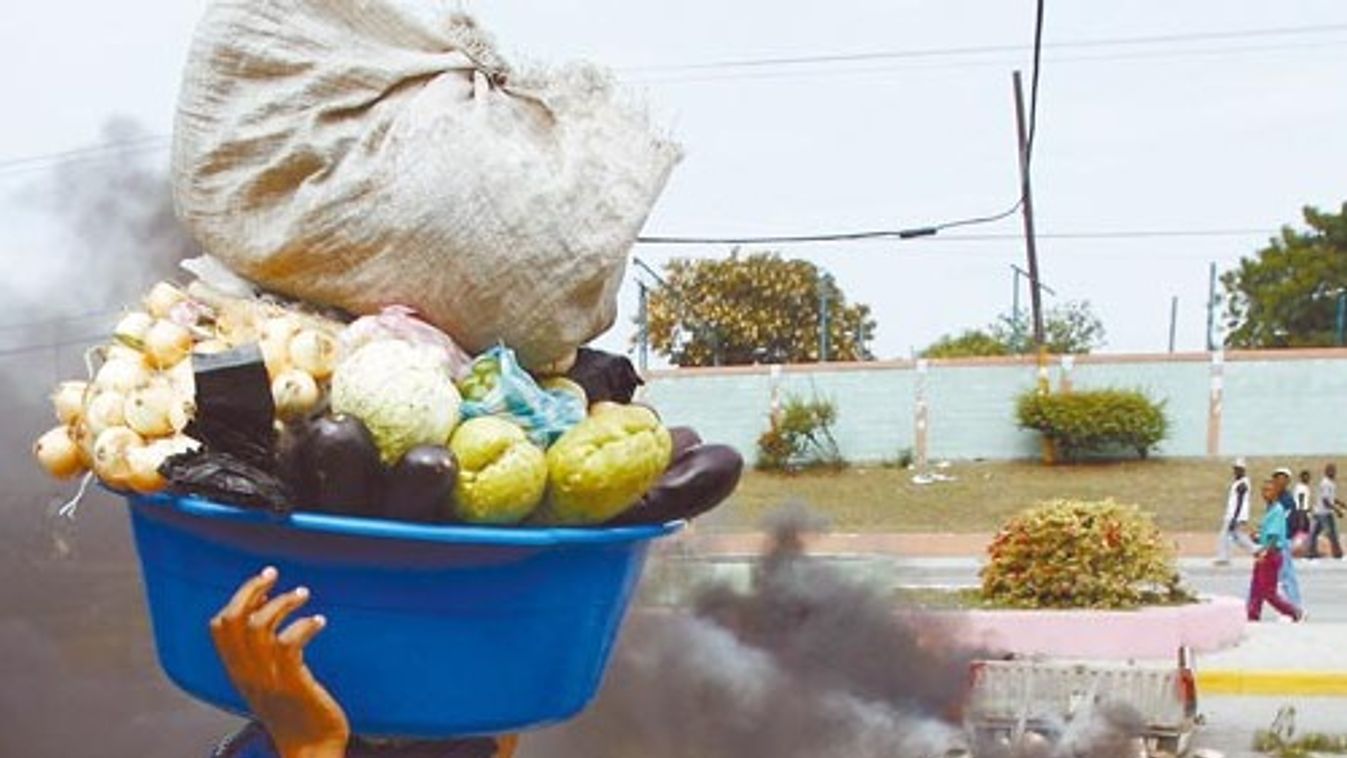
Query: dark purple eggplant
x: 337, y: 466
x: 420, y: 486
x: 684, y: 437
x: 698, y: 480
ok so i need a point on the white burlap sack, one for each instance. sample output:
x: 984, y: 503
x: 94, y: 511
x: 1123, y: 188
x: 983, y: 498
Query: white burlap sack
x: 363, y: 153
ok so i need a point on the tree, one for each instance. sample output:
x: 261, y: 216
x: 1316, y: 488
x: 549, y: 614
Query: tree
x: 1286, y: 294
x: 1069, y: 328
x: 759, y: 308
x: 971, y: 343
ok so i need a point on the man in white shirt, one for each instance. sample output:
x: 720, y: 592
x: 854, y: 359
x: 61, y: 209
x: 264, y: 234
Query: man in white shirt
x: 1235, y: 524
x: 1326, y: 510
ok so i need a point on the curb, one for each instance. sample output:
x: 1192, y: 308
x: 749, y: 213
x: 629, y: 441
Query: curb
x: 1246, y: 682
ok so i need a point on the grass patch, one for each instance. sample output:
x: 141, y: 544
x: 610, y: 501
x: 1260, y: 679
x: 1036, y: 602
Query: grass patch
x: 1184, y: 494
x: 1271, y: 743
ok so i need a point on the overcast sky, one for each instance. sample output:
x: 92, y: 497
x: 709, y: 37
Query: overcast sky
x: 1198, y: 134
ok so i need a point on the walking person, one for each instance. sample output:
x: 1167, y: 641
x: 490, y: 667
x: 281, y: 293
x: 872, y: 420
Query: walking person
x: 1235, y: 524
x: 1300, y: 521
x: 1286, y: 575
x: 1326, y: 511
x: 1268, y: 560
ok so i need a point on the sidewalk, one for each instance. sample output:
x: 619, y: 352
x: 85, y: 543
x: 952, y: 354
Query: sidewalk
x: 1280, y: 659
x: 1192, y: 546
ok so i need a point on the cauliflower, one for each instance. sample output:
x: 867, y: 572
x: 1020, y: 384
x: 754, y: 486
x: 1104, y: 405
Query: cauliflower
x: 604, y: 464
x: 401, y: 392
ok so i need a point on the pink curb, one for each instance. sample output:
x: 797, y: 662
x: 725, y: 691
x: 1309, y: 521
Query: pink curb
x: 1213, y: 624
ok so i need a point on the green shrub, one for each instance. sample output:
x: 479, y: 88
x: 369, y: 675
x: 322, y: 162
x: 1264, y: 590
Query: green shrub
x: 801, y: 437
x: 1095, y: 420
x: 1081, y: 554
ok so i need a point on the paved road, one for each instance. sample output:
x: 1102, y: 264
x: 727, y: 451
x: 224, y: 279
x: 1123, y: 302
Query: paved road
x: 1323, y: 583
x: 1230, y: 722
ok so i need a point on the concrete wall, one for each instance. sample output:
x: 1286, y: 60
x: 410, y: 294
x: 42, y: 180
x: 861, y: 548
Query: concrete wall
x: 1242, y: 403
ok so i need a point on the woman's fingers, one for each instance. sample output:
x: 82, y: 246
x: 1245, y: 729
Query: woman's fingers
x: 248, y: 596
x: 266, y: 619
x: 297, y: 635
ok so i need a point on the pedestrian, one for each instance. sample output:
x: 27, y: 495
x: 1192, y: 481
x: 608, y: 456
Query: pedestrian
x: 1287, y: 577
x: 1268, y: 560
x: 1327, y: 509
x: 1299, y: 531
x: 1235, y: 523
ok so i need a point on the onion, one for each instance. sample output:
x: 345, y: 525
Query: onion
x: 143, y: 462
x: 131, y: 330
x: 182, y: 378
x: 117, y: 351
x: 295, y: 393
x: 210, y: 346
x: 84, y: 442
x: 279, y: 328
x: 163, y: 296
x: 105, y: 410
x: 166, y: 343
x: 68, y: 399
x: 110, y: 454
x: 314, y: 352
x: 276, y: 354
x: 148, y: 410
x: 59, y: 455
x: 122, y: 375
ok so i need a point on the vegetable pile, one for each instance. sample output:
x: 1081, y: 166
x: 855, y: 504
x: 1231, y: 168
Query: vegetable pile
x: 218, y: 391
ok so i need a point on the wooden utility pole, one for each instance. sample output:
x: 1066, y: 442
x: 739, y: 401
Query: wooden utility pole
x: 1027, y: 211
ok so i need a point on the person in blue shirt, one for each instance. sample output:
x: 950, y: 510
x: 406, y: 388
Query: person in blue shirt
x: 1287, y: 577
x: 296, y: 716
x: 1272, y: 540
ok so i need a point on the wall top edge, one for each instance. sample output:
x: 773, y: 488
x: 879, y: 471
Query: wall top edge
x: 1027, y: 361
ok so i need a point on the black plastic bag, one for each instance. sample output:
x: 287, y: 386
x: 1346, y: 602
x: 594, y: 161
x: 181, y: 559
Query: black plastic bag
x: 226, y: 478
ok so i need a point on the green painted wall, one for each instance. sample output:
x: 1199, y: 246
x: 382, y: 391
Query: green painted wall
x: 1270, y: 406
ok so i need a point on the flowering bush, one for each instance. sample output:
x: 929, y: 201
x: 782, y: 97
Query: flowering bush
x: 801, y: 437
x: 1081, y: 554
x: 1095, y: 420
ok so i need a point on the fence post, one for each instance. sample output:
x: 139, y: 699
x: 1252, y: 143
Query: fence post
x: 1064, y: 379
x: 1215, y: 403
x: 921, y: 416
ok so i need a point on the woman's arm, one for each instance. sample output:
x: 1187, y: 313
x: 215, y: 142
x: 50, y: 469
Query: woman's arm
x: 266, y: 665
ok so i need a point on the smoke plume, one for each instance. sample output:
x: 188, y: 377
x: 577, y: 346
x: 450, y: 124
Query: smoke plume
x: 808, y: 664
x: 78, y: 667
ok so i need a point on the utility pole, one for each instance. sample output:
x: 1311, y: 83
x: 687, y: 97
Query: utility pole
x: 1173, y: 319
x: 1015, y: 304
x: 1027, y: 211
x: 1211, y: 308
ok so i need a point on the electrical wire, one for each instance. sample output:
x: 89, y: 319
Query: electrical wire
x: 914, y: 232
x: 25, y: 349
x: 827, y: 58
x: 59, y: 319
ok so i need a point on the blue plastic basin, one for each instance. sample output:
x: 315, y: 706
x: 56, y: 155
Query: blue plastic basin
x: 433, y: 631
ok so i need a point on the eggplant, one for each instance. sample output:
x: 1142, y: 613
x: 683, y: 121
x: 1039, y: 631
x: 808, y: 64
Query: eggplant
x: 684, y: 437
x: 336, y: 466
x: 699, y: 479
x: 420, y: 486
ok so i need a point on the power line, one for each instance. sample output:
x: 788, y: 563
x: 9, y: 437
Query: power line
x: 985, y: 49
x: 148, y: 142
x: 991, y: 237
x: 59, y: 319
x: 902, y: 234
x: 52, y: 345
x: 999, y: 62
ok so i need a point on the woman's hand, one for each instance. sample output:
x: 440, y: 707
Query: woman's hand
x: 267, y: 666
